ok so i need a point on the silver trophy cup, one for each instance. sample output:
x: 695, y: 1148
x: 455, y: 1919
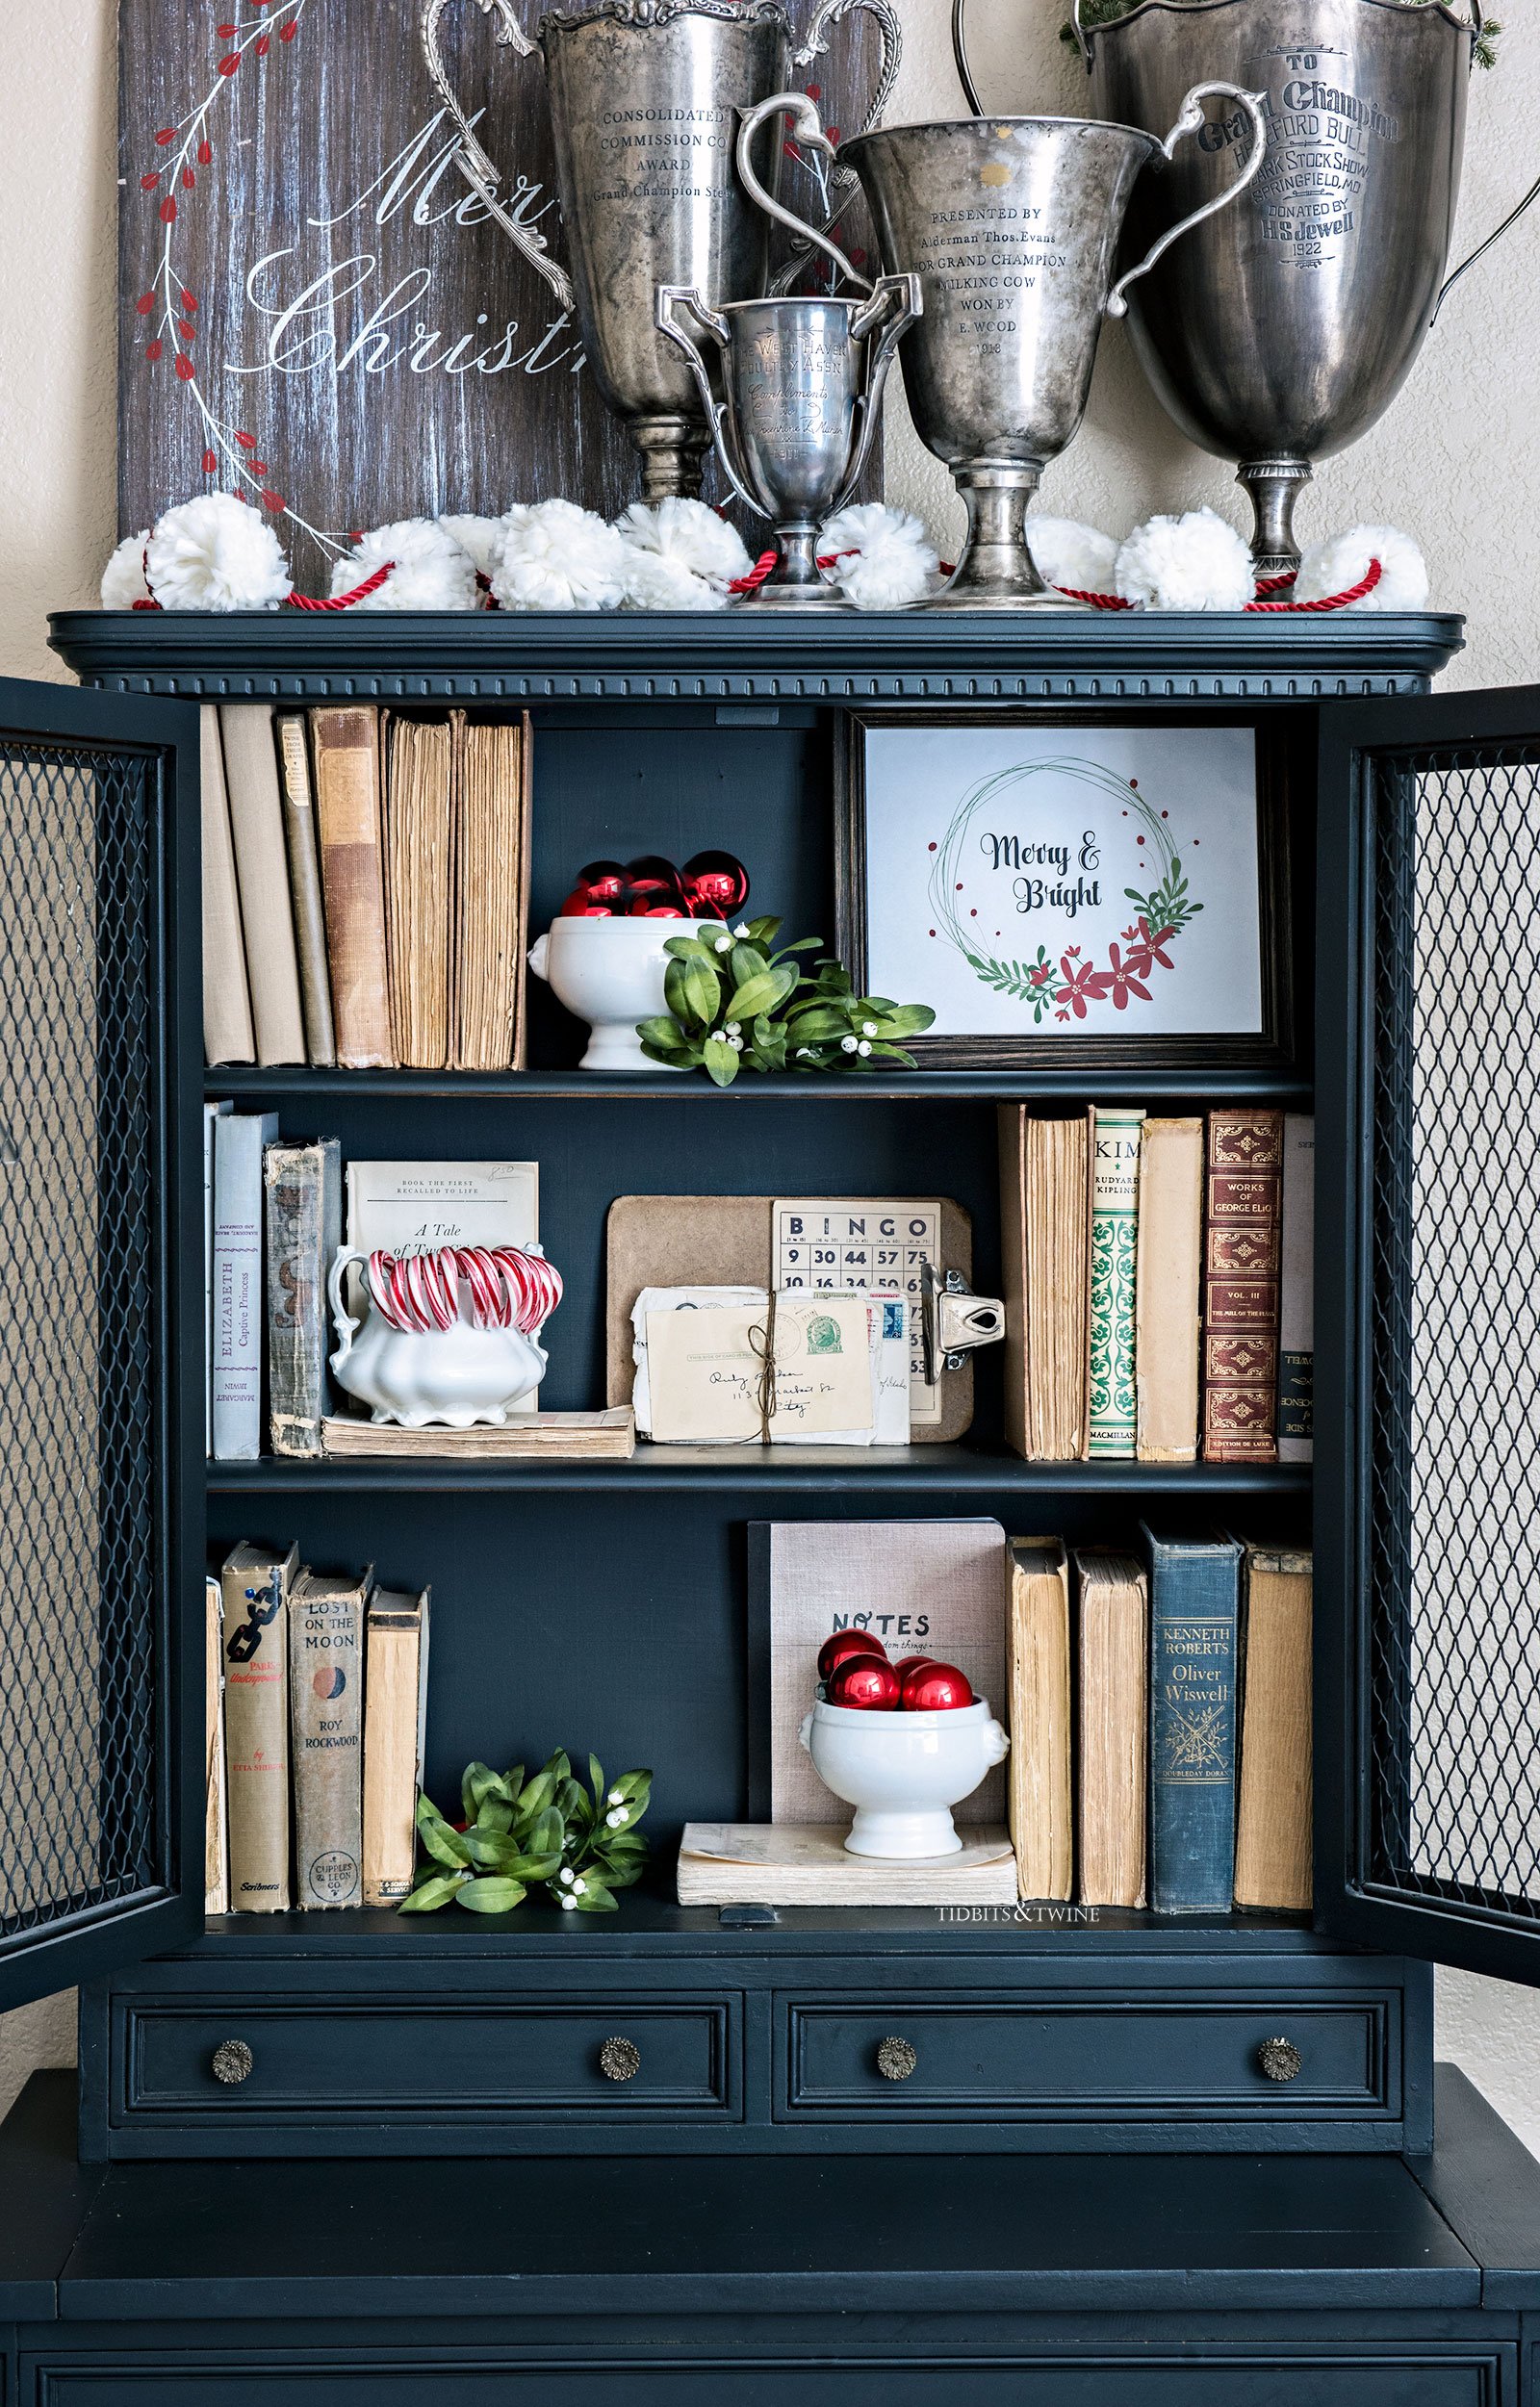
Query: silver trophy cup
x: 1285, y: 328
x: 645, y: 100
x: 1013, y: 224
x: 802, y: 384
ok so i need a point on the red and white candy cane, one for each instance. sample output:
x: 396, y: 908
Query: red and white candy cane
x: 489, y: 1305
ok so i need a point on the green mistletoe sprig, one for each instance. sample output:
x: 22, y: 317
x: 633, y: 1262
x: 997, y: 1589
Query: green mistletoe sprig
x: 546, y: 1831
x: 1094, y: 13
x: 732, y: 1003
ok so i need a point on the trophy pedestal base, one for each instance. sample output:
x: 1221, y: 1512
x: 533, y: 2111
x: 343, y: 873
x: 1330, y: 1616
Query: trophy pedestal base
x: 795, y: 584
x: 995, y: 572
x: 673, y: 449
x: 773, y: 596
x: 1273, y: 487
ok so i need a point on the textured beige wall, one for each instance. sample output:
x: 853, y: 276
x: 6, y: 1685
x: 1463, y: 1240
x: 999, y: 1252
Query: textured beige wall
x: 1457, y: 461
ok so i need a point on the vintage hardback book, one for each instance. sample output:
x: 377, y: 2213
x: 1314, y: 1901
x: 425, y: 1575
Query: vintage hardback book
x: 395, y: 1728
x: 417, y: 1206
x: 1272, y: 1825
x: 784, y: 1863
x: 227, y: 1031
x: 345, y: 750
x: 1240, y: 1287
x: 303, y: 1187
x: 1297, y: 1317
x: 491, y: 895
x: 304, y: 888
x: 326, y: 1734
x: 609, y: 1436
x: 1038, y: 1691
x: 1167, y: 1289
x: 262, y: 867
x: 215, y: 1822
x: 1044, y: 1236
x: 240, y: 1139
x: 923, y: 1587
x: 1115, y: 1148
x: 212, y: 1112
x: 1195, y: 1587
x: 1112, y: 1650
x: 256, y: 1584
x: 419, y: 886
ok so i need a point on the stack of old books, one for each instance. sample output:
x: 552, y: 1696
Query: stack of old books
x: 365, y: 887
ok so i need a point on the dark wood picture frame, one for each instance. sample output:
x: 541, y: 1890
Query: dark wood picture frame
x: 1269, y: 1049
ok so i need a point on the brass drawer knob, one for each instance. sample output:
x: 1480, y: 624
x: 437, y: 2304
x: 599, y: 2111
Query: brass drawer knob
x: 896, y: 2060
x: 620, y: 2059
x: 1279, y: 2059
x: 231, y: 2062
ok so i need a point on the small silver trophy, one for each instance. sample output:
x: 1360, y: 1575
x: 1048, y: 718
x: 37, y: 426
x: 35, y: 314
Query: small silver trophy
x: 803, y: 384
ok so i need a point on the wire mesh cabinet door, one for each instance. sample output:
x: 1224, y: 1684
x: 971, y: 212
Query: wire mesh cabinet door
x: 1428, y: 1420
x: 101, y: 1621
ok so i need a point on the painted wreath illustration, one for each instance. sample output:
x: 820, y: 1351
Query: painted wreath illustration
x: 1070, y: 985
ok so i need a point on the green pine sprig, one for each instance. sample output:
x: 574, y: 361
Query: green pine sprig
x: 548, y: 1832
x: 733, y: 1003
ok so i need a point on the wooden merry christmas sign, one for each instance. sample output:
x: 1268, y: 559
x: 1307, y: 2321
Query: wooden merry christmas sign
x: 317, y: 311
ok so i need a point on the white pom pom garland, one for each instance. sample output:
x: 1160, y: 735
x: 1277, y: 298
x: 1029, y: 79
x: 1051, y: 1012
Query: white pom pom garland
x: 429, y: 570
x: 680, y: 556
x: 479, y: 536
x: 881, y: 558
x: 1194, y: 562
x: 1343, y: 565
x: 554, y: 556
x: 216, y: 553
x: 123, y: 586
x: 1071, y: 556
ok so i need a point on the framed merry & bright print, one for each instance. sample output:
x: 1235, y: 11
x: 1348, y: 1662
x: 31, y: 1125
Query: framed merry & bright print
x: 1099, y: 892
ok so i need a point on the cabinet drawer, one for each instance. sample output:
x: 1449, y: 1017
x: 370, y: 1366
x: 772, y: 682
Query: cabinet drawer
x: 1090, y: 2057
x: 332, y: 2062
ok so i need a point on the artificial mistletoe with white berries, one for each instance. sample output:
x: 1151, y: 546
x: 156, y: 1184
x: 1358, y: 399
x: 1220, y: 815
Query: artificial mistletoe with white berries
x: 544, y: 1832
x: 733, y: 1003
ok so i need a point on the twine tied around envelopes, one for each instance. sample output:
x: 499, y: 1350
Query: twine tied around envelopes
x: 762, y: 1345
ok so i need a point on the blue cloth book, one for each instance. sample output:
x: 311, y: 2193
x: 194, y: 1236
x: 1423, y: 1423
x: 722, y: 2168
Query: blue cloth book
x: 1194, y: 1590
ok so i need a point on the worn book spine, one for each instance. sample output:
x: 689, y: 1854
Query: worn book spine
x: 1011, y: 1133
x: 1041, y: 1802
x: 215, y: 1823
x: 1058, y: 1214
x: 212, y: 1112
x: 1113, y: 1256
x: 1297, y: 1313
x: 256, y: 1728
x: 1167, y: 1289
x: 240, y: 1139
x: 227, y: 1031
x: 304, y: 1217
x: 1274, y: 1831
x: 1112, y: 1650
x: 304, y: 889
x: 1245, y: 1188
x: 262, y: 867
x: 347, y: 812
x: 1194, y: 1636
x: 394, y: 1729
x: 326, y: 1734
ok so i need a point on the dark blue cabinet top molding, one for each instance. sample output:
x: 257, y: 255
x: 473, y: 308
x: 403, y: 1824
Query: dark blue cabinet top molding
x: 907, y: 656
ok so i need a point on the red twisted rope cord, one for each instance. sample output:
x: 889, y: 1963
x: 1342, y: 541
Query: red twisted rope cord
x: 343, y: 602
x: 1332, y: 601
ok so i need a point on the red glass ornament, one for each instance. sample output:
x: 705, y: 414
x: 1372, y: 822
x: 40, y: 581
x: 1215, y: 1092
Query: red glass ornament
x: 909, y: 1663
x: 843, y: 1643
x: 652, y: 869
x: 716, y: 879
x: 580, y: 905
x: 865, y: 1684
x: 937, y: 1688
x: 604, y: 880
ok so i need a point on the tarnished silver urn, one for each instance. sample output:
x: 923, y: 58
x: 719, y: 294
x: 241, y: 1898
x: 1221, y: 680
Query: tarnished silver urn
x: 1284, y: 328
x: 645, y: 101
x: 1011, y: 226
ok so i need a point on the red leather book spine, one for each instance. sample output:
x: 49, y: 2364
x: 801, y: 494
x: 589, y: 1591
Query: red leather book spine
x: 1240, y: 1265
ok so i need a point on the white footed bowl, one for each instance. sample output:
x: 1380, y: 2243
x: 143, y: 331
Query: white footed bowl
x: 610, y: 973
x: 903, y: 1772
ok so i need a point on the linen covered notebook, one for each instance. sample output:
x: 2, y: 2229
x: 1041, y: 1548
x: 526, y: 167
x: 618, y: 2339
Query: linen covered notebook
x: 924, y: 1587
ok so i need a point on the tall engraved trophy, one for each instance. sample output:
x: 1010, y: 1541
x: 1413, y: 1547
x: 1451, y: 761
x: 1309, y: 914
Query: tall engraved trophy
x: 802, y: 389
x: 645, y: 103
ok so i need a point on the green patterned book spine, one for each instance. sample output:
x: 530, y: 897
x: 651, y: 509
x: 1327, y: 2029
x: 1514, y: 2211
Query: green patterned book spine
x: 1113, y: 1250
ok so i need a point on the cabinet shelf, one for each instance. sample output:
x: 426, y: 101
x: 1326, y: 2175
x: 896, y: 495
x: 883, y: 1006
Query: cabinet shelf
x: 1080, y: 1085
x: 791, y: 1470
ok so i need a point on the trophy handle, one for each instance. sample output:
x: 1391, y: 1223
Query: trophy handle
x: 1481, y: 249
x: 843, y: 183
x: 1190, y: 121
x: 896, y: 303
x: 686, y: 299
x: 473, y: 160
x: 808, y: 130
x: 1083, y: 39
